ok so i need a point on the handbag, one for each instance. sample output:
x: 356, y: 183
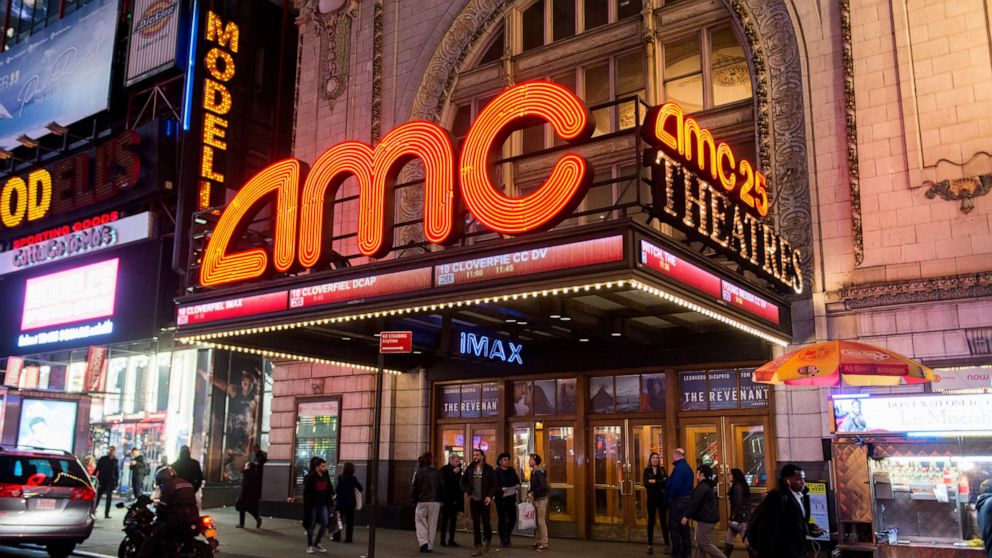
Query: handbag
x: 526, y: 516
x: 359, y: 503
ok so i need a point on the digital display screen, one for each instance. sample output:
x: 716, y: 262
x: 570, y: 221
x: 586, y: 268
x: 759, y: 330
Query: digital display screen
x: 102, y: 298
x: 47, y: 424
x: 75, y: 295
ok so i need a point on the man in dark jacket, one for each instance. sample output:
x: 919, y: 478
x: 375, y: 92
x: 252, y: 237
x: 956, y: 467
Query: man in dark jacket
x: 176, y: 510
x: 426, y: 494
x: 703, y: 509
x: 779, y: 527
x: 108, y: 475
x: 188, y: 468
x: 452, y: 498
x: 678, y: 493
x: 984, y: 507
x: 479, y: 482
x: 139, y: 470
x: 507, y: 483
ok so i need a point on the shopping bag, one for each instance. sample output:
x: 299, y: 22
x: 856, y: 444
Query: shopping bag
x: 358, y: 499
x: 526, y: 516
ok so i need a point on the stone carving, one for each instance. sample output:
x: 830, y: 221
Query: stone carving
x: 331, y: 20
x: 377, y: 24
x: 950, y: 287
x: 778, y: 92
x: 853, y: 166
x: 963, y: 189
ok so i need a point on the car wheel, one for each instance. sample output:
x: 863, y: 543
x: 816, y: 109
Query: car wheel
x: 60, y: 550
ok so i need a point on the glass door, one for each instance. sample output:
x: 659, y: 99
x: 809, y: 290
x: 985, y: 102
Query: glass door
x: 727, y: 443
x: 620, y: 452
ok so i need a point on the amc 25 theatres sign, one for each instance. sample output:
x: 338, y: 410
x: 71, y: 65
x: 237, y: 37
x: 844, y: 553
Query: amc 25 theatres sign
x: 302, y: 195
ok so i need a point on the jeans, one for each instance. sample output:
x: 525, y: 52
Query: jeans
x: 681, y: 541
x: 657, y: 509
x: 426, y: 521
x: 480, y: 515
x: 704, y: 542
x: 109, y: 491
x: 318, y: 514
x: 506, y: 511
x: 541, y: 515
x: 449, y: 521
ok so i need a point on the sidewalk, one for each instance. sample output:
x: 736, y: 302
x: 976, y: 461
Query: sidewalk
x: 282, y: 538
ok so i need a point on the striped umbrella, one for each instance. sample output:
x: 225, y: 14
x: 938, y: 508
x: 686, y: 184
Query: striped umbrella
x: 856, y: 364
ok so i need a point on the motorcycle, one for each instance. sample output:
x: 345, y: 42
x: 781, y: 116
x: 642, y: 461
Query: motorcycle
x: 140, y: 520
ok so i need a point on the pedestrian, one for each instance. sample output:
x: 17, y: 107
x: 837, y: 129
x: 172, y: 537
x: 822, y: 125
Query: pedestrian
x: 107, y: 476
x: 479, y: 482
x: 538, y: 495
x: 778, y: 528
x: 426, y: 495
x: 318, y: 493
x: 139, y: 470
x: 655, y: 478
x: 346, y: 495
x: 251, y: 494
x: 703, y: 509
x: 740, y: 510
x: 90, y: 465
x: 507, y: 482
x: 678, y: 493
x: 984, y: 507
x: 452, y: 498
x: 188, y: 468
x: 259, y: 456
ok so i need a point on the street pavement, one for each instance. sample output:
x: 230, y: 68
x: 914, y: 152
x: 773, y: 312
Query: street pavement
x: 282, y: 538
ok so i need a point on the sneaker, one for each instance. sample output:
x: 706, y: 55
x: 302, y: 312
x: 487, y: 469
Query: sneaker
x: 541, y: 548
x: 319, y: 548
x: 425, y: 548
x: 310, y: 550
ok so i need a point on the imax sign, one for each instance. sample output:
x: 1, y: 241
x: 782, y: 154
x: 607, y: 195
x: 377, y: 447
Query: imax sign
x: 492, y: 348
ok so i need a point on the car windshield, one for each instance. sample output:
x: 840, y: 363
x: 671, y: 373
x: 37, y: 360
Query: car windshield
x: 29, y: 470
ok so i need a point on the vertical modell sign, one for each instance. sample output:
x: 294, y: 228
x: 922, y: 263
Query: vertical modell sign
x: 220, y: 45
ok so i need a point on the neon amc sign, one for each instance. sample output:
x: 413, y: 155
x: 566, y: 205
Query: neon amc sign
x: 302, y: 194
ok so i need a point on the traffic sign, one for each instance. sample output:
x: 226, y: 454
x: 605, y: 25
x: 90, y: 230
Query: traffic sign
x: 395, y: 342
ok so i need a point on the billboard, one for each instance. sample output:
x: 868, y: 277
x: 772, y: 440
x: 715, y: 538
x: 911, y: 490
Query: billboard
x: 154, y: 38
x: 933, y: 414
x: 47, y: 424
x: 97, y: 299
x: 60, y: 75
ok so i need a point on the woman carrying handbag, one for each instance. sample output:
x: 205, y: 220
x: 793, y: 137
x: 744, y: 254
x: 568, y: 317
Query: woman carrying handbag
x: 348, y: 497
x: 740, y: 510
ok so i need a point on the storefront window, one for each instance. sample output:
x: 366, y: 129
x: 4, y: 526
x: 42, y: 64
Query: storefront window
x: 627, y: 394
x: 543, y: 398
x: 453, y: 442
x: 484, y: 438
x: 317, y: 435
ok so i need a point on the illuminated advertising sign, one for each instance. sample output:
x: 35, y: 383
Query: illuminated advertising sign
x: 154, y: 38
x: 668, y: 264
x: 353, y: 291
x: 85, y: 241
x: 490, y: 348
x: 47, y: 424
x: 72, y: 183
x: 301, y: 224
x: 700, y: 188
x: 232, y: 308
x: 721, y: 390
x: 527, y: 262
x: 925, y: 414
x: 70, y: 296
x: 219, y: 68
x: 92, y: 299
x: 59, y: 75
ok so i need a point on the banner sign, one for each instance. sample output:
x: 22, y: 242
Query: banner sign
x: 59, y: 75
x: 357, y: 290
x: 923, y: 414
x: 12, y: 377
x: 154, y: 38
x: 715, y: 390
x: 77, y: 243
x: 96, y: 370
x: 668, y: 264
x: 819, y: 514
x: 527, y: 262
x: 232, y: 308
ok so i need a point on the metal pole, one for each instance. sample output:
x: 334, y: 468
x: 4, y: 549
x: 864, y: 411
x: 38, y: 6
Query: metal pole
x: 374, y: 461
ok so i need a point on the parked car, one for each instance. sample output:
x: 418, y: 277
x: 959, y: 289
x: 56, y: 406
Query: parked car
x: 46, y: 498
